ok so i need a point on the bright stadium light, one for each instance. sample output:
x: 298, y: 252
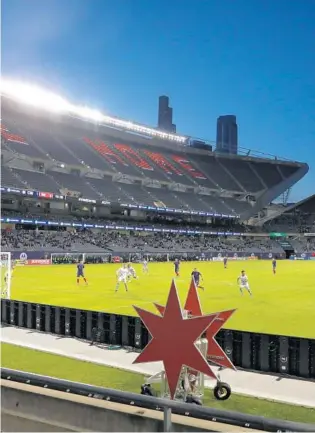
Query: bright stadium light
x: 33, y: 95
x: 87, y: 113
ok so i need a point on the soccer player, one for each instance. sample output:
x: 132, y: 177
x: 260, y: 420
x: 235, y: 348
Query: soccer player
x: 145, y: 268
x: 122, y: 277
x: 176, y: 267
x: 196, y: 275
x: 80, y: 272
x: 131, y: 272
x: 225, y: 260
x: 6, y: 277
x: 4, y: 287
x: 242, y: 281
x: 274, y: 266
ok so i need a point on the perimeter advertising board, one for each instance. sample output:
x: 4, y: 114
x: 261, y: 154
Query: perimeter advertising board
x: 43, y: 257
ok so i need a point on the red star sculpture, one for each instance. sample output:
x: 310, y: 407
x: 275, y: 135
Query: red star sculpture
x: 215, y: 353
x: 160, y: 308
x: 192, y: 303
x: 173, y: 339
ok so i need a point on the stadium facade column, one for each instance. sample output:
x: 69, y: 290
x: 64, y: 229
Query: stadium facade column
x: 100, y: 323
x: 57, y: 320
x: 304, y: 358
x: 67, y: 322
x: 264, y: 353
x: 284, y: 355
x: 12, y: 321
x: 48, y: 313
x: 78, y: 316
x: 83, y: 320
x: 89, y: 325
x: 21, y: 314
x: 29, y: 316
x: 125, y: 331
x: 138, y: 334
x: 228, y: 343
x: 112, y: 329
x: 311, y: 358
x: 246, y: 350
x: 12, y: 314
x: 38, y: 320
x: 5, y: 310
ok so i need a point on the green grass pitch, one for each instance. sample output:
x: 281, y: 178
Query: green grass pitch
x: 282, y: 304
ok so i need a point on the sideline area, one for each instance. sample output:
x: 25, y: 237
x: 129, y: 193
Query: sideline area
x: 276, y: 388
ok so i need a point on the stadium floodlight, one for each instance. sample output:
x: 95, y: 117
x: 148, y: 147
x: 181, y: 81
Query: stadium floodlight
x: 35, y: 96
x: 88, y: 113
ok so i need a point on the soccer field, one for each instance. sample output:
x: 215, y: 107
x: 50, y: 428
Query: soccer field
x: 281, y: 304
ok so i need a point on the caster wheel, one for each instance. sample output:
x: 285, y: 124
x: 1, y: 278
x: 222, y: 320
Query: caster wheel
x: 146, y: 390
x: 222, y: 391
x: 193, y: 400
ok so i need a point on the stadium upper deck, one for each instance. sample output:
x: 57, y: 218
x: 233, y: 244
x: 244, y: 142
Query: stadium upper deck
x: 306, y: 206
x: 59, y: 153
x: 296, y: 217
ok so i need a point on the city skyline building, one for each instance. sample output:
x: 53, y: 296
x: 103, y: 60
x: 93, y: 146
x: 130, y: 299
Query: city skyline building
x: 227, y: 134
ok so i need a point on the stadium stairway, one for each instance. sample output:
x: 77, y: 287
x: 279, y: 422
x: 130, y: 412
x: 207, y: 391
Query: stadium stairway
x: 265, y: 386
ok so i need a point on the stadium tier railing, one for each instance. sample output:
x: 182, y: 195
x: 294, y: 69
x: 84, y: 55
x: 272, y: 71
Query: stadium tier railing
x: 41, y: 221
x: 58, y: 197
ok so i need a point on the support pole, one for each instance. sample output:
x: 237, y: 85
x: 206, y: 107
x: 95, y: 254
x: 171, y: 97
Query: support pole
x: 167, y: 419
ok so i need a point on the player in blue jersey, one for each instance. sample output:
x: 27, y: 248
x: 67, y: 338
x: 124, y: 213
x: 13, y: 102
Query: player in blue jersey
x: 196, y: 275
x: 80, y: 272
x: 274, y: 266
x: 176, y: 267
x: 225, y: 260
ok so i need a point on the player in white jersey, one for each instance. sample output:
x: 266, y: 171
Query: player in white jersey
x: 5, y: 282
x: 122, y: 277
x: 145, y: 268
x: 131, y: 272
x: 4, y: 286
x: 243, y: 283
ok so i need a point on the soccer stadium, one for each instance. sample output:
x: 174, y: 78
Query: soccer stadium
x: 100, y: 214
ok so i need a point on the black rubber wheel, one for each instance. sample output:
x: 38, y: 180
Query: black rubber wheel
x: 222, y: 391
x: 146, y: 390
x: 193, y: 400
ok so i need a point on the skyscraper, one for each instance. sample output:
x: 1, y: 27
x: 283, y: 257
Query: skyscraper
x: 227, y: 141
x: 165, y: 116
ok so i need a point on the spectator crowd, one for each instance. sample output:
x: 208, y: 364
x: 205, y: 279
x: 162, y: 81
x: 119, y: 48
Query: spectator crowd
x: 60, y: 239
x: 77, y: 240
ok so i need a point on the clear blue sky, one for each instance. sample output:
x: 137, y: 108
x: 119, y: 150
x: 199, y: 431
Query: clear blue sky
x: 252, y: 58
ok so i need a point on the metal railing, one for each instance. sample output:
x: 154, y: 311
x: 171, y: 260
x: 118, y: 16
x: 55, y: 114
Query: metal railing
x: 153, y: 403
